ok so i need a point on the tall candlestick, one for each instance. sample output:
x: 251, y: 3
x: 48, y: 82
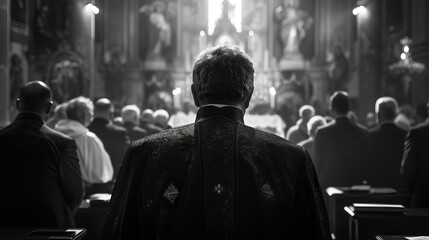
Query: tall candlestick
x: 176, y: 98
x: 251, y: 42
x: 202, y: 40
x: 273, y: 98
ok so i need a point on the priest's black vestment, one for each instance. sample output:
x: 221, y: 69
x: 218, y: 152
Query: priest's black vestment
x: 216, y: 179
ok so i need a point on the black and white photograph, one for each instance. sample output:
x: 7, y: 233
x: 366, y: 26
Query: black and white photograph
x: 214, y: 119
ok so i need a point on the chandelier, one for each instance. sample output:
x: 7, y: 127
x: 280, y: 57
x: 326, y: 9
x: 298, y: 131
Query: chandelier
x: 406, y: 65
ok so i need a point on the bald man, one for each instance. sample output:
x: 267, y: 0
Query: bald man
x: 299, y: 132
x: 40, y: 177
x: 115, y: 138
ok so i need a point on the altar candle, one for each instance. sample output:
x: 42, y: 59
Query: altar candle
x: 202, y: 40
x: 176, y: 98
x: 251, y: 41
x: 273, y: 97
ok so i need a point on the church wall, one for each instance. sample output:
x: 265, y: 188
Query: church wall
x: 4, y: 62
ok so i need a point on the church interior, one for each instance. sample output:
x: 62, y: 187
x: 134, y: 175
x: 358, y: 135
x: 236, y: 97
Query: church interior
x: 117, y: 51
x: 141, y: 52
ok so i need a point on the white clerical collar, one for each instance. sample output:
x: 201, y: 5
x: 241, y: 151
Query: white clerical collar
x: 221, y: 106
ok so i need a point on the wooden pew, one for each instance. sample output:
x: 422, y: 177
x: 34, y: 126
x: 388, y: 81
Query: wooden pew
x: 339, y: 197
x: 367, y: 225
x: 36, y: 233
x: 92, y: 215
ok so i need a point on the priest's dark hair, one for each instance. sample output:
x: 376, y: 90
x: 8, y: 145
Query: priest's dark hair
x: 222, y: 75
x: 340, y: 102
x: 35, y: 96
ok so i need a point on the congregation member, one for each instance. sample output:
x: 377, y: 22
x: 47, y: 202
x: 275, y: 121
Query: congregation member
x: 39, y: 169
x: 59, y: 114
x: 217, y: 178
x: 299, y: 132
x: 341, y: 147
x: 386, y: 146
x: 95, y: 164
x: 130, y: 116
x: 415, y: 164
x: 160, y: 119
x: 115, y: 138
x: 312, y: 126
x: 421, y: 113
x: 146, y: 122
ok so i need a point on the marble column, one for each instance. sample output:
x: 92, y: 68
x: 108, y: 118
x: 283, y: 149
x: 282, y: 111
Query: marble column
x: 4, y: 61
x: 369, y: 57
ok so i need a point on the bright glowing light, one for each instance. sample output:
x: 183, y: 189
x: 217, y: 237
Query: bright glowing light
x: 358, y: 10
x: 91, y: 7
x: 403, y: 56
x: 251, y: 33
x: 406, y: 49
x: 236, y: 14
x: 177, y: 91
x: 215, y: 13
x: 273, y: 91
x: 202, y: 33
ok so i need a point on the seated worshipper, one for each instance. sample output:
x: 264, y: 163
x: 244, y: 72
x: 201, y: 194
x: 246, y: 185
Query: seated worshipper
x: 95, y: 164
x: 415, y: 164
x: 146, y: 122
x: 298, y: 132
x: 341, y: 147
x: 115, y: 138
x: 59, y: 114
x: 386, y: 147
x: 118, y: 121
x: 130, y: 115
x: 40, y: 179
x: 312, y: 126
x: 160, y: 119
x: 217, y: 178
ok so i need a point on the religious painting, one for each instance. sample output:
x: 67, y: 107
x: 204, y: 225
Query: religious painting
x: 51, y: 25
x: 157, y: 33
x: 294, y: 30
x: 65, y: 76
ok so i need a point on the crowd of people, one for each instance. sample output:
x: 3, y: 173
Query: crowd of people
x: 205, y: 173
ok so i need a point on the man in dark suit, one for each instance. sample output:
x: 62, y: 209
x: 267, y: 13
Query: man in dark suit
x: 217, y: 178
x: 40, y: 176
x: 386, y: 146
x: 115, y: 138
x: 130, y: 115
x: 341, y: 147
x: 415, y: 164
